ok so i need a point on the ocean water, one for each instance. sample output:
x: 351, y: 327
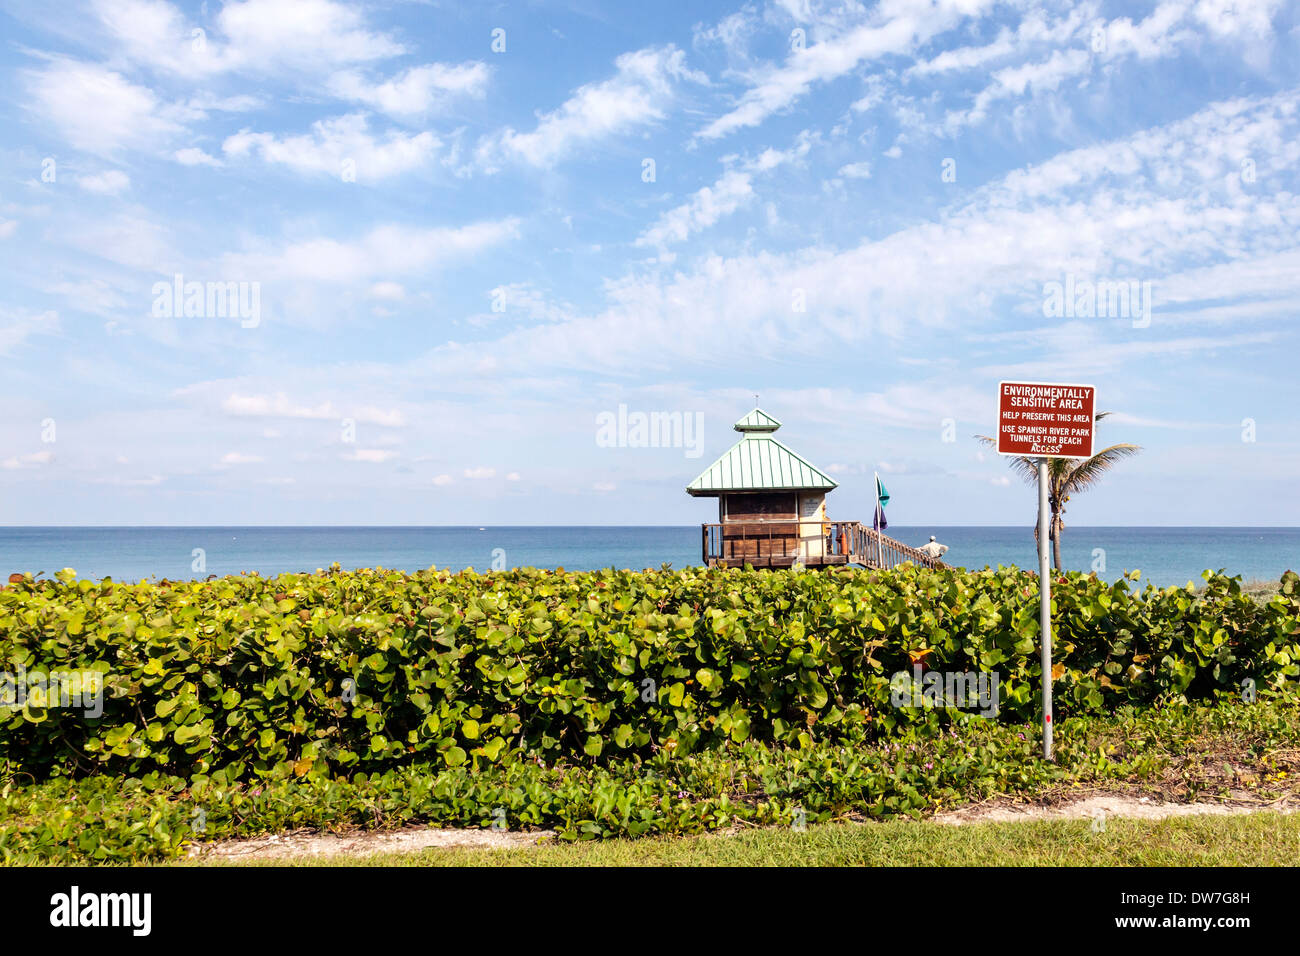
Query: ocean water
x: 1165, y: 556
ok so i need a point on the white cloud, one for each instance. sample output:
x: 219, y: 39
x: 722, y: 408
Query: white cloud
x: 640, y: 92
x: 8, y: 227
x: 893, y: 28
x: 388, y: 291
x: 385, y: 250
x: 1206, y: 147
x: 33, y: 460
x: 771, y: 157
x: 1074, y: 46
x: 16, y: 326
x: 152, y: 32
x: 732, y: 191
x: 305, y: 32
x: 204, y: 103
x: 522, y: 300
x: 1015, y: 81
x: 372, y: 455
x: 958, y: 59
x: 414, y: 92
x: 109, y: 183
x: 146, y: 482
x: 193, y: 156
x: 705, y: 207
x: 442, y: 480
x: 128, y: 240
x: 387, y: 417
x: 732, y: 33
x: 1158, y: 35
x: 480, y: 472
x: 1036, y: 30
x: 338, y: 146
x: 1238, y: 18
x: 856, y: 170
x: 96, y: 109
x: 279, y: 405
x: 275, y: 406
x: 239, y: 458
x: 253, y: 36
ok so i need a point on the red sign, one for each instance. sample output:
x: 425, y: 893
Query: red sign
x: 1045, y: 420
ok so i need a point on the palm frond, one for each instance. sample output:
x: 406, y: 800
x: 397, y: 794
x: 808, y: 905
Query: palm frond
x: 1088, y: 473
x: 1026, y: 468
x: 1058, y: 477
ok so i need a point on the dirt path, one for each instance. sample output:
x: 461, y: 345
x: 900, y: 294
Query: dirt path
x: 362, y: 843
x: 1098, y: 807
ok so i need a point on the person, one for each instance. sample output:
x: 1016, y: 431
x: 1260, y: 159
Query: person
x: 933, y: 549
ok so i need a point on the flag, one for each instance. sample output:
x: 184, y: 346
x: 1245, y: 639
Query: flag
x: 882, y: 497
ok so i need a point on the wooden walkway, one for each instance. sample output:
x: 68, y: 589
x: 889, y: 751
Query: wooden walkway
x: 778, y: 543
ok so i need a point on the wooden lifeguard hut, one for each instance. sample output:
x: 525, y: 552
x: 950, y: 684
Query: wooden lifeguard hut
x: 772, y: 510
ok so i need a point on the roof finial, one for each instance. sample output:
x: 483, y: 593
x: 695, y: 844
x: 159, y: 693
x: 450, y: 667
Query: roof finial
x: 757, y: 421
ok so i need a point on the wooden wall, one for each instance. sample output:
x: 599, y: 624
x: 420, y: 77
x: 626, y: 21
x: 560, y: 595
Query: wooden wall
x: 748, y: 530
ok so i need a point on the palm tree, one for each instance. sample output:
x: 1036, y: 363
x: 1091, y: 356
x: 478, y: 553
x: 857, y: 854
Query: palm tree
x: 1066, y: 477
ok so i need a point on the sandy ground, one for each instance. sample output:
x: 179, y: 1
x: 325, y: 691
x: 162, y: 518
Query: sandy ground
x: 1098, y: 807
x: 363, y: 842
x: 357, y: 843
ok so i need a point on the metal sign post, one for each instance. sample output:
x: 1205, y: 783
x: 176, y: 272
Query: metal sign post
x: 1045, y: 601
x: 1046, y: 420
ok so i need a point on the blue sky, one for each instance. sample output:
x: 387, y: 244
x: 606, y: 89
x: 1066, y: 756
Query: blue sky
x: 472, y: 229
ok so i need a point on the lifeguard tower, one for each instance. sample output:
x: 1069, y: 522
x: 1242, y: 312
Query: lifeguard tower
x: 772, y: 510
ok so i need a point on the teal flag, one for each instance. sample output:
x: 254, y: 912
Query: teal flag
x: 878, y: 519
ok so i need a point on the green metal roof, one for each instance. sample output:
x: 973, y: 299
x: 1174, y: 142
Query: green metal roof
x: 757, y: 421
x: 758, y: 462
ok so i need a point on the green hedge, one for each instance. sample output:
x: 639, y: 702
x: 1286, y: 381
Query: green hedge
x: 367, y: 670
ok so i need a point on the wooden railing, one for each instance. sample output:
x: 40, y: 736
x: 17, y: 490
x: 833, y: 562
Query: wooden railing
x: 884, y: 552
x: 762, y: 539
x: 767, y: 541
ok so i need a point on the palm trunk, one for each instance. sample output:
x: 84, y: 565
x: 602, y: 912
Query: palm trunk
x: 1056, y: 542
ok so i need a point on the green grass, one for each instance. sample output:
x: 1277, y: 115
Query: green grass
x: 1258, y: 839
